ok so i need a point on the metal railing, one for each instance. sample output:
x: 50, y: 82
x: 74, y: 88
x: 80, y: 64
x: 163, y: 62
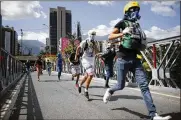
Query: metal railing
x: 10, y: 71
x: 99, y: 68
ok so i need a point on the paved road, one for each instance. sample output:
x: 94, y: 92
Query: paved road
x: 53, y: 99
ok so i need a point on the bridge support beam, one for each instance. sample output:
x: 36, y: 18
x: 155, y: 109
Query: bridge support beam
x: 160, y: 65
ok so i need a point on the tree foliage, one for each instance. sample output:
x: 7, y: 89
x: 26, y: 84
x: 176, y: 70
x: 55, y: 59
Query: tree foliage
x: 42, y: 53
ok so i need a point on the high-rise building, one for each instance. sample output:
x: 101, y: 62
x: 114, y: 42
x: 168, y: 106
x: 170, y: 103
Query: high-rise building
x: 9, y: 40
x: 60, y: 22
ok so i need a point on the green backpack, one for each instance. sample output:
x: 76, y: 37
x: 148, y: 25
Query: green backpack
x: 132, y: 41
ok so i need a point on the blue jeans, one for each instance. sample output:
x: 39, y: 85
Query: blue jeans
x: 123, y: 65
x: 49, y: 70
x: 59, y: 68
x: 109, y: 71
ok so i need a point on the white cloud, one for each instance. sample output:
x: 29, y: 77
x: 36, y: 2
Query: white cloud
x: 12, y: 10
x: 158, y: 33
x: 104, y: 3
x: 102, y: 30
x: 41, y: 36
x: 154, y: 32
x: 164, y: 8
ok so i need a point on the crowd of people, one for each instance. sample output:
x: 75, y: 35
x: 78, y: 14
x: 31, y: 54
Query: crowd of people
x: 131, y: 40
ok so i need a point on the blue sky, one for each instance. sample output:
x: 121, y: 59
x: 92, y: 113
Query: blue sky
x: 158, y: 18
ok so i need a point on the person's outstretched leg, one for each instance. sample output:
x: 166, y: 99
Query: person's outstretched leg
x: 88, y: 80
x: 78, y: 75
x: 107, y: 78
x: 141, y: 79
x: 38, y: 68
x: 59, y: 72
x: 76, y: 83
x: 122, y: 67
x: 82, y: 82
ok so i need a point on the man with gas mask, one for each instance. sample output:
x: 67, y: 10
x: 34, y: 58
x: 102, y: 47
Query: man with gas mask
x: 90, y: 49
x: 133, y: 40
x: 108, y: 58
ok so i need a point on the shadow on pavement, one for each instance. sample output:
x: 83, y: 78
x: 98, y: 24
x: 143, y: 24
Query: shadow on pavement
x: 97, y: 95
x: 94, y: 99
x: 116, y: 97
x: 27, y: 105
x: 133, y: 112
x: 96, y: 87
x: 49, y: 81
x: 175, y: 116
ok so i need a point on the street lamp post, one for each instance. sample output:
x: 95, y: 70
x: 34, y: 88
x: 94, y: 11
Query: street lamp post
x: 48, y: 37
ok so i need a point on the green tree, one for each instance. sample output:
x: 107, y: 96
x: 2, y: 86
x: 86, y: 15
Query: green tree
x: 47, y: 49
x: 42, y: 53
x: 71, y: 46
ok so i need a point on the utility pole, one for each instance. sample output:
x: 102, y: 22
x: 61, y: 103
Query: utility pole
x: 21, y: 42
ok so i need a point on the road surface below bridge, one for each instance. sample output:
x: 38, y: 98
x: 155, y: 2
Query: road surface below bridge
x: 53, y: 99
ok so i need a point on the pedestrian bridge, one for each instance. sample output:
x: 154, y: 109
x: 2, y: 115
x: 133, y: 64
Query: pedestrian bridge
x: 53, y: 99
x: 23, y: 97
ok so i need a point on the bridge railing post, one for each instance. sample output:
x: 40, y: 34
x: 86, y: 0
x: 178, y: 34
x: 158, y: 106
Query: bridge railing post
x: 10, y: 71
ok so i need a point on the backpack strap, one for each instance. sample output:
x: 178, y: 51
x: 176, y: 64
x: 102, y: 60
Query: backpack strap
x: 128, y: 23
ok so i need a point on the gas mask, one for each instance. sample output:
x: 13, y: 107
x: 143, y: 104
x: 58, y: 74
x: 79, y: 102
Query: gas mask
x: 133, y: 14
x: 92, y: 38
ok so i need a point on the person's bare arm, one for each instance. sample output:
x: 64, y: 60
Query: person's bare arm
x: 77, y: 52
x: 69, y: 60
x: 35, y: 63
x: 115, y: 34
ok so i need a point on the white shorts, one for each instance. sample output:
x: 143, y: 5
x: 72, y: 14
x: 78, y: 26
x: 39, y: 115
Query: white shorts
x: 75, y: 69
x: 88, y: 65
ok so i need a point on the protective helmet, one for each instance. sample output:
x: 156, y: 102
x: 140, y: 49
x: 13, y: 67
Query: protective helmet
x: 130, y: 5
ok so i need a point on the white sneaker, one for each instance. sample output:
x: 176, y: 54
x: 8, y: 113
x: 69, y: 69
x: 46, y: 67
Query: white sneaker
x: 157, y: 117
x: 107, y: 96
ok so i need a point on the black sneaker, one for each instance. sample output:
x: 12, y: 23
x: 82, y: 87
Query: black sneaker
x: 86, y: 94
x: 79, y: 89
x: 106, y: 86
x: 104, y: 77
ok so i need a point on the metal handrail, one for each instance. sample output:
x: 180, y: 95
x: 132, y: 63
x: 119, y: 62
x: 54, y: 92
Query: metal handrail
x: 10, y: 71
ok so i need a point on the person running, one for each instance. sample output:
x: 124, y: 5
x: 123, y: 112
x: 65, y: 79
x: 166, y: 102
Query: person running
x: 133, y: 40
x: 108, y: 58
x: 38, y: 64
x: 59, y: 64
x: 49, y: 67
x: 28, y: 66
x: 90, y: 49
x: 75, y: 67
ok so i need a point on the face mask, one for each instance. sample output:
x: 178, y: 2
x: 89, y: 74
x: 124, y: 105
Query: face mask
x: 92, y: 37
x: 135, y: 15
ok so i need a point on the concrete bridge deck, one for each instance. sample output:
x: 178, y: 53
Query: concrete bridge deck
x: 53, y: 99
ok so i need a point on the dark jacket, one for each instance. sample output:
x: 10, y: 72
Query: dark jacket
x: 108, y: 57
